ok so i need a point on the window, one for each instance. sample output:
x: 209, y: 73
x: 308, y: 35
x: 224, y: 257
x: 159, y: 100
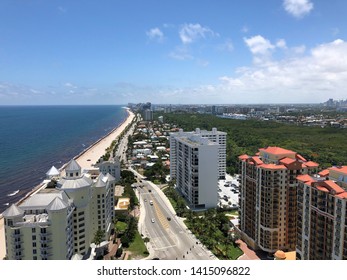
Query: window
x: 33, y: 230
x: 34, y: 244
x: 34, y: 252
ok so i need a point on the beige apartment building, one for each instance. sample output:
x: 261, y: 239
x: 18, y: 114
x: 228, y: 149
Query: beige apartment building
x: 322, y: 215
x: 60, y: 220
x: 268, y: 200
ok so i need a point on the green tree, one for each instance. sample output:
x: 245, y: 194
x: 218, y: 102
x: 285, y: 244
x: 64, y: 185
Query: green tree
x: 98, y: 237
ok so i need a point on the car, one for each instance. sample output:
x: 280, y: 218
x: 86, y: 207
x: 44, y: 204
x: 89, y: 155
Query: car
x: 150, y: 190
x: 88, y: 159
x: 168, y: 218
x: 145, y: 200
x: 152, y: 220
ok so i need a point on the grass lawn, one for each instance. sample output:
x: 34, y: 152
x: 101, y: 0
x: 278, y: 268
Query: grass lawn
x: 228, y: 252
x: 138, y: 247
x: 233, y: 213
x: 121, y: 226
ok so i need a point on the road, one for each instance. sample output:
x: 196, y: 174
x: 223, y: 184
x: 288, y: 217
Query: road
x: 123, y: 144
x: 169, y: 237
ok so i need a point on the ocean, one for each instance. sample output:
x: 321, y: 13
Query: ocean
x: 33, y: 138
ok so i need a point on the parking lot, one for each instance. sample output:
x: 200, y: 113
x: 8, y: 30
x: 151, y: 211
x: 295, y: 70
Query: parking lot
x: 228, y: 191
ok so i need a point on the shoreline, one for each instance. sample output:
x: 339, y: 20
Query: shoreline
x: 86, y: 159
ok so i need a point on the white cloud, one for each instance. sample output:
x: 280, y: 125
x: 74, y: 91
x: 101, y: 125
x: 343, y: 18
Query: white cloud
x: 70, y: 85
x: 258, y: 45
x: 299, y: 49
x: 312, y: 78
x: 281, y: 43
x: 189, y: 33
x: 298, y: 8
x: 155, y: 34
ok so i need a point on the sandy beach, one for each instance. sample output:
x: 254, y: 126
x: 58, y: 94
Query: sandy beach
x: 86, y: 159
x: 95, y: 151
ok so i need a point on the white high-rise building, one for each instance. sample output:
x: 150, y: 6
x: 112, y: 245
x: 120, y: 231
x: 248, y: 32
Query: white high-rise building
x: 195, y: 169
x: 214, y: 135
x: 148, y: 115
x: 60, y: 221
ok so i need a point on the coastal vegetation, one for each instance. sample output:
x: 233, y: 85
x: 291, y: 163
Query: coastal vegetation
x: 156, y: 173
x: 132, y: 242
x: 326, y: 146
x: 127, y: 179
x: 212, y: 229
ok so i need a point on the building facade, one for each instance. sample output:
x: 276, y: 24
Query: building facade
x: 322, y: 215
x: 111, y: 167
x: 148, y: 115
x: 195, y: 169
x: 60, y: 221
x: 214, y: 135
x: 268, y: 202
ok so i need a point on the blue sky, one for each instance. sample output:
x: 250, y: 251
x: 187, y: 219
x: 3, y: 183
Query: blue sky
x: 182, y: 51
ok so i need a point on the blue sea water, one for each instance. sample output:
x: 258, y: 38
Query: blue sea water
x: 33, y: 138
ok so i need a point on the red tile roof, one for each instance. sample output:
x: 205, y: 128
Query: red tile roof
x: 287, y: 160
x: 243, y: 157
x: 273, y: 166
x: 305, y: 178
x: 324, y: 173
x: 342, y: 169
x: 323, y: 189
x: 342, y: 195
x: 300, y: 157
x: 257, y: 160
x: 334, y: 186
x: 311, y: 164
x: 276, y: 150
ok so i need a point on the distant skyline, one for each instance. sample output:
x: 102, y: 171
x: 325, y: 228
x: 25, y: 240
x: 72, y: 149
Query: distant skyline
x: 179, y: 52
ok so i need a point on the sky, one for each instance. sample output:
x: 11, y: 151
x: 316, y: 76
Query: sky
x: 172, y: 52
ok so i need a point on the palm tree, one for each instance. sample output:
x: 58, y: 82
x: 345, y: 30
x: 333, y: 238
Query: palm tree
x: 98, y: 237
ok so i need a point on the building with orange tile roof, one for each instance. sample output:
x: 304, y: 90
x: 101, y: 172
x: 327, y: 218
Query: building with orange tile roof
x: 268, y: 198
x: 322, y: 215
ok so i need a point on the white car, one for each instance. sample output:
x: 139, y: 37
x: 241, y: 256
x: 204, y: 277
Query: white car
x: 152, y: 220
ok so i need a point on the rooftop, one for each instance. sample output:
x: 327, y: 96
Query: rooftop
x: 341, y: 169
x: 276, y: 150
